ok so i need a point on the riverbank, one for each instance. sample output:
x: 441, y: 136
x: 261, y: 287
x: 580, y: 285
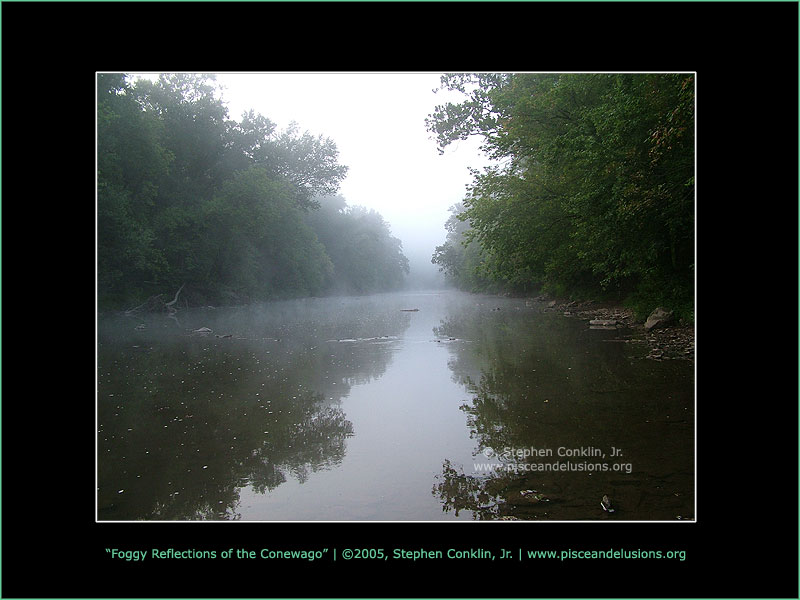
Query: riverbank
x: 670, y: 341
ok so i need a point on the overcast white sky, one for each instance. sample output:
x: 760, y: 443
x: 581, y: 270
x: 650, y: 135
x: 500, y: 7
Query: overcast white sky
x: 377, y: 121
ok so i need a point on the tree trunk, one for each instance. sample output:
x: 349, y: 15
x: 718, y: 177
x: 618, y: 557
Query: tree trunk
x: 157, y: 304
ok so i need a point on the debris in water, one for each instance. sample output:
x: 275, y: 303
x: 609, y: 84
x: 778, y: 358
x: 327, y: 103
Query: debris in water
x: 534, y: 496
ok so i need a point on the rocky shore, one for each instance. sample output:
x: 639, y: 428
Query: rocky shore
x: 667, y: 338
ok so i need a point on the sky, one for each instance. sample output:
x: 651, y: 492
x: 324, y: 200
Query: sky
x: 377, y: 121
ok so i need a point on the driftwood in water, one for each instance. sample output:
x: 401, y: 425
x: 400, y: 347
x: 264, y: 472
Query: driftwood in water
x: 157, y: 304
x: 170, y: 305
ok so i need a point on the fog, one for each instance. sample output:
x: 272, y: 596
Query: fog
x: 377, y: 121
x: 291, y: 377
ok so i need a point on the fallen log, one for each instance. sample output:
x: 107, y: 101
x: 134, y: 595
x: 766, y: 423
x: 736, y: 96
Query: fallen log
x: 156, y: 304
x: 169, y: 305
x: 602, y: 322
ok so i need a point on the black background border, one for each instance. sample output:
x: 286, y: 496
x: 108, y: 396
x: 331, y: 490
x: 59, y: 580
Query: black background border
x: 745, y: 55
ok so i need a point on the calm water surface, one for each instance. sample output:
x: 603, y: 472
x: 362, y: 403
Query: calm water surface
x: 470, y: 407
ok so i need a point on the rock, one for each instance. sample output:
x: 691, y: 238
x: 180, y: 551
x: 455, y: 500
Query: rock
x: 526, y: 497
x: 660, y: 317
x: 606, y: 322
x: 551, y: 304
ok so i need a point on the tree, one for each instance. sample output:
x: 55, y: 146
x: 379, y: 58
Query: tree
x: 593, y: 193
x: 222, y: 210
x: 309, y: 163
x: 130, y: 164
x: 461, y: 258
x: 259, y: 243
x: 366, y: 257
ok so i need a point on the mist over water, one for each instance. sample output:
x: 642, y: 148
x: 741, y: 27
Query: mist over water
x: 383, y: 407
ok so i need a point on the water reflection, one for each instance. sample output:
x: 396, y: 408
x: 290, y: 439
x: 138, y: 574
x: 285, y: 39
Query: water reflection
x: 354, y: 408
x: 187, y: 417
x: 551, y: 401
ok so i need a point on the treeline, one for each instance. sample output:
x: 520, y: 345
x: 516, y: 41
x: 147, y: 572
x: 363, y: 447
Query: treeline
x: 592, y: 190
x: 235, y: 211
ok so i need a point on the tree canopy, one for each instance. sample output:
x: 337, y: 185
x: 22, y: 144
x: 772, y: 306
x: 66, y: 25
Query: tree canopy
x: 365, y: 255
x: 231, y: 209
x: 592, y: 192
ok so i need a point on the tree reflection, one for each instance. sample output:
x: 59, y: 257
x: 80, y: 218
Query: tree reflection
x: 198, y: 470
x: 186, y: 422
x: 488, y: 497
x: 459, y: 492
x: 548, y: 382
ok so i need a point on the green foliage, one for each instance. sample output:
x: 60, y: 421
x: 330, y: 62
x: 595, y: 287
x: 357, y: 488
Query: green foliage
x: 187, y: 196
x: 308, y: 163
x: 130, y: 164
x: 461, y: 258
x: 258, y: 241
x: 595, y: 188
x: 365, y: 256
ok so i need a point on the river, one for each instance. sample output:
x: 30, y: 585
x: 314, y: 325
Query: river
x: 417, y: 406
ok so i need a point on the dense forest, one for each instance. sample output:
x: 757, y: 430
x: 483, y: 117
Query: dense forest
x: 591, y: 192
x: 226, y: 211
